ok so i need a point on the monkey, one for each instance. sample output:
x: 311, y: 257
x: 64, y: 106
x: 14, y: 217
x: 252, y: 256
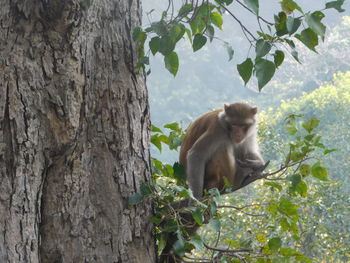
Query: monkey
x: 222, y: 143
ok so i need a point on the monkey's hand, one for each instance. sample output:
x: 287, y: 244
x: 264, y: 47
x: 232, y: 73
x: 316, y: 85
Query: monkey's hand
x: 255, y: 165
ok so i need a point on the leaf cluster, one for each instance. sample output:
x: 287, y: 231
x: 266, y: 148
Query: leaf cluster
x: 199, y: 20
x: 177, y: 217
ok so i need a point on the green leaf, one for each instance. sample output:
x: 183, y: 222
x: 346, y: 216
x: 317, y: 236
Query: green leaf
x: 245, y: 70
x: 290, y: 127
x: 145, y: 189
x: 303, y: 259
x: 288, y: 6
x: 215, y: 224
x: 337, y: 5
x: 213, y: 208
x: 264, y: 71
x: 156, y: 142
x: 176, y: 32
x: 162, y: 241
x: 179, y: 247
x: 272, y: 208
x: 199, y: 41
x: 229, y: 50
x: 327, y: 151
x: 292, y: 24
x: 262, y: 48
x: 314, y: 22
x: 154, y: 45
x: 135, y: 199
x: 167, y: 45
x: 172, y: 126
x: 301, y: 188
x: 275, y: 243
x: 172, y: 63
x: 284, y: 224
x: 311, y: 124
x: 319, y: 172
x: 305, y: 169
x: 274, y: 185
x: 170, y: 226
x: 156, y: 129
x: 198, y: 216
x: 295, y: 55
x: 216, y: 19
x: 261, y: 238
x: 287, y: 207
x: 210, y: 32
x: 179, y: 172
x: 197, y: 242
x: 156, y: 220
x: 189, y: 35
x: 289, y: 252
x: 309, y: 38
x: 185, y: 9
x: 139, y: 35
x: 278, y: 58
x: 253, y: 5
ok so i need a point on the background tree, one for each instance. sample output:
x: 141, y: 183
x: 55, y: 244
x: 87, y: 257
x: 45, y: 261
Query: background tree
x: 74, y: 127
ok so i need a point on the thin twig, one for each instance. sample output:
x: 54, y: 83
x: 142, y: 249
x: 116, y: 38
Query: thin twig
x: 228, y: 250
x: 244, y: 29
x: 259, y: 17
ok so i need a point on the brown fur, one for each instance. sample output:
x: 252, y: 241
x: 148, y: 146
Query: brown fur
x: 218, y: 166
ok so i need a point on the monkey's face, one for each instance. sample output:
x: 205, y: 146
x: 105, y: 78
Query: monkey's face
x: 240, y: 118
x: 240, y: 131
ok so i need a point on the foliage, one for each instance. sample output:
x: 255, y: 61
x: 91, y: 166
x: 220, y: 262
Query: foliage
x: 326, y: 230
x: 277, y: 242
x: 198, y: 20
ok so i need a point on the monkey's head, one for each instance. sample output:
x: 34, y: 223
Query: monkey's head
x: 240, y: 120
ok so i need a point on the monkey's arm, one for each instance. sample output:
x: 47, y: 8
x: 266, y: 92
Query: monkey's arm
x: 197, y: 157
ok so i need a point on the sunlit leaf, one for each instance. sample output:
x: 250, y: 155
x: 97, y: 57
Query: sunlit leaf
x: 261, y: 238
x: 216, y: 19
x: 287, y: 207
x: 311, y: 124
x: 319, y: 172
x: 288, y: 6
x: 172, y: 63
x: 305, y: 169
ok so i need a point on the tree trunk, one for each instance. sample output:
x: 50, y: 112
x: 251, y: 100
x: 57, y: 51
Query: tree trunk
x: 74, y: 133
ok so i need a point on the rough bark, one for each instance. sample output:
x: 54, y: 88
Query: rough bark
x: 74, y: 131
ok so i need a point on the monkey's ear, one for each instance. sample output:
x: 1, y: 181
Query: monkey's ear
x: 254, y: 110
x: 225, y: 107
